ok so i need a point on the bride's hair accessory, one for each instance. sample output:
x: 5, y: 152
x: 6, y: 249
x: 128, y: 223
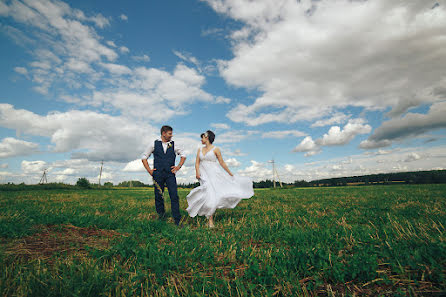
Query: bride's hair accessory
x: 209, y: 134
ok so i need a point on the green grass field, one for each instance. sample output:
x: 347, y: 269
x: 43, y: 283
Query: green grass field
x: 376, y: 240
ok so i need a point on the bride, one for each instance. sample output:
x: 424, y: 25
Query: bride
x: 219, y: 188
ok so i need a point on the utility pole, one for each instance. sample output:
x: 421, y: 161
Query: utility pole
x: 100, y: 173
x: 275, y: 174
x: 43, y: 179
x: 278, y: 178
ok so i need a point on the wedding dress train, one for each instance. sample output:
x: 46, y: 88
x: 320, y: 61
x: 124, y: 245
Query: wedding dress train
x: 217, y: 188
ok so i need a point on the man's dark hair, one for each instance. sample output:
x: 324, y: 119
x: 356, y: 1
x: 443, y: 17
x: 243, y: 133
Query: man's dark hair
x: 166, y: 128
x: 210, y: 135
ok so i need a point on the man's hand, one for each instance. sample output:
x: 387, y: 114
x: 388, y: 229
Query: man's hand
x: 175, y: 169
x: 147, y: 167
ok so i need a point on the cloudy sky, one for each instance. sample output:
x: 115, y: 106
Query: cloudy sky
x: 325, y: 88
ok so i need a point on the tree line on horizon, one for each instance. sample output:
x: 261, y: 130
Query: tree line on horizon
x: 413, y: 177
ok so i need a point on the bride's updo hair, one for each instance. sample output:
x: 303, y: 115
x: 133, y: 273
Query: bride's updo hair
x: 209, y: 134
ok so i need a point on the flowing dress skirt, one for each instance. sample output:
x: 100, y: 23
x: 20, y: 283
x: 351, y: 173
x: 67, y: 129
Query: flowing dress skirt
x: 217, y: 190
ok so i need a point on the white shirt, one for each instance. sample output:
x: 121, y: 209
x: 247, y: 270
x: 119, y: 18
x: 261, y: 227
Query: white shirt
x: 151, y: 148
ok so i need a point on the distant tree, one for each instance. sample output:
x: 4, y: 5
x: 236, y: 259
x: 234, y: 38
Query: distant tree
x: 108, y: 184
x: 264, y: 184
x: 190, y: 185
x: 417, y: 177
x: 301, y: 183
x: 23, y: 186
x: 132, y: 183
x: 83, y: 183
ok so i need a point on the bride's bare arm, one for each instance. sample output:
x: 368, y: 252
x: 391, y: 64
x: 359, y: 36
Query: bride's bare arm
x: 220, y: 160
x: 197, y: 165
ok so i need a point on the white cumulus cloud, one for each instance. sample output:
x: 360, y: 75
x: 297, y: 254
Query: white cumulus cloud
x: 63, y: 42
x: 306, y: 145
x: 89, y: 135
x: 336, y: 136
x: 412, y: 157
x: 257, y: 171
x: 124, y: 49
x: 411, y: 124
x: 11, y: 147
x: 142, y: 58
x: 31, y: 167
x: 312, y: 59
x: 136, y: 166
x: 283, y: 134
x: 222, y: 126
x: 21, y: 70
x: 232, y: 162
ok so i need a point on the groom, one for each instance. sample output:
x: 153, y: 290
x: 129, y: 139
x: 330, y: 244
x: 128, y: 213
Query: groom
x: 164, y: 153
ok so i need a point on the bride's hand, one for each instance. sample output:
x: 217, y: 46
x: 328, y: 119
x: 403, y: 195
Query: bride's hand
x: 197, y: 175
x: 230, y: 173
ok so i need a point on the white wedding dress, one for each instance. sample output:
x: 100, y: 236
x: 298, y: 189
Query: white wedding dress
x: 217, y: 188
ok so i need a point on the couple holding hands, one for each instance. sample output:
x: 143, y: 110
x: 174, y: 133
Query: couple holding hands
x: 219, y: 188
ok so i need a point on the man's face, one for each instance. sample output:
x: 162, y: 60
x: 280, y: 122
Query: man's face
x: 167, y: 136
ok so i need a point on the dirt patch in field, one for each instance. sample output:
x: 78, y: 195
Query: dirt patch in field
x: 60, y: 239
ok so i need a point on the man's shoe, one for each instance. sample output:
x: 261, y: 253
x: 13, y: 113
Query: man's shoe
x: 179, y: 223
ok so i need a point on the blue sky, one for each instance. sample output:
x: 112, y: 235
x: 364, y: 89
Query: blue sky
x: 326, y: 88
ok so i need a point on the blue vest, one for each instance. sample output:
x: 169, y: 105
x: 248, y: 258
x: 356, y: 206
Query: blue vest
x: 163, y: 161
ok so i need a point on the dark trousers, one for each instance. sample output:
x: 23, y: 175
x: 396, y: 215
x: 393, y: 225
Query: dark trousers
x: 169, y: 179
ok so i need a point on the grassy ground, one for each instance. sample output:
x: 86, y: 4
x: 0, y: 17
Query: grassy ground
x: 380, y: 240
